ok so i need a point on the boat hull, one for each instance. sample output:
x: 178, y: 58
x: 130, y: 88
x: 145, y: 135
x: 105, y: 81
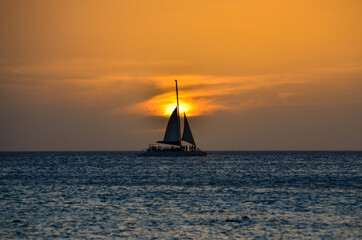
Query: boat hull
x: 173, y: 154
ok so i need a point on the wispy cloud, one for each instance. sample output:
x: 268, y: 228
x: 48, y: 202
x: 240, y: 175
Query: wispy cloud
x: 208, y: 94
x: 130, y: 87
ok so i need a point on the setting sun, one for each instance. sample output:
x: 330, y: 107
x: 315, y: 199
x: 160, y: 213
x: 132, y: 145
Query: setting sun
x: 169, y: 110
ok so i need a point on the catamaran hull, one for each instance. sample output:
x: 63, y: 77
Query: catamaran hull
x: 173, y: 154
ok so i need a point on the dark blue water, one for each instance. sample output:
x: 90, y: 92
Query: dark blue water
x: 285, y: 195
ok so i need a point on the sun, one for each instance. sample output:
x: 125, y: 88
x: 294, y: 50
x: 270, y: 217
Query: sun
x: 170, y: 109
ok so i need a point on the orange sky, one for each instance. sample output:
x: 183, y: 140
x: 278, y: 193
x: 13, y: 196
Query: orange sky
x: 253, y: 75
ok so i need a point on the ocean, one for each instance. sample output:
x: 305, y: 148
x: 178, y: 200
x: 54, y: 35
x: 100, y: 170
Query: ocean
x: 226, y: 195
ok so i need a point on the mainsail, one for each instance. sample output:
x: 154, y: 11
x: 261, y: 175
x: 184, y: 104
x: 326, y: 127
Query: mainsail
x: 187, y: 135
x: 172, y: 135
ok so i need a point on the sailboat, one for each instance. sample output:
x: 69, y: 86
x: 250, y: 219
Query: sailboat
x: 174, y: 139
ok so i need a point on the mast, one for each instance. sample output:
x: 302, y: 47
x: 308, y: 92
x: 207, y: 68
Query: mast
x: 178, y: 116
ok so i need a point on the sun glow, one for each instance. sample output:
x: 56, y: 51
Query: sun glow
x: 170, y: 109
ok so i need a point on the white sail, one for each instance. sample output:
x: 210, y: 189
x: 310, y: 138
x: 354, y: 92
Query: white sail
x: 172, y: 131
x: 187, y: 135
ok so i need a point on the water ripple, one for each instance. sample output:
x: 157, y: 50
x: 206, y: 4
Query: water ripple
x: 248, y: 195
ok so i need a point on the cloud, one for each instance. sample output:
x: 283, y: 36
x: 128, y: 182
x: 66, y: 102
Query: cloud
x: 99, y: 83
x: 131, y: 87
x: 202, y: 95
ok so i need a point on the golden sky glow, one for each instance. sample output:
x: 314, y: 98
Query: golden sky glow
x: 117, y: 60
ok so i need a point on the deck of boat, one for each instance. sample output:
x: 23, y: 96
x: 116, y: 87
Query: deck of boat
x: 173, y: 154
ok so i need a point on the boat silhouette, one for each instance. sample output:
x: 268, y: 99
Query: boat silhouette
x: 173, y: 139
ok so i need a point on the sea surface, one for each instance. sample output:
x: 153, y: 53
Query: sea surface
x: 226, y: 195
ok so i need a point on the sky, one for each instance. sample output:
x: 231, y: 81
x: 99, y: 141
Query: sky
x: 252, y: 74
